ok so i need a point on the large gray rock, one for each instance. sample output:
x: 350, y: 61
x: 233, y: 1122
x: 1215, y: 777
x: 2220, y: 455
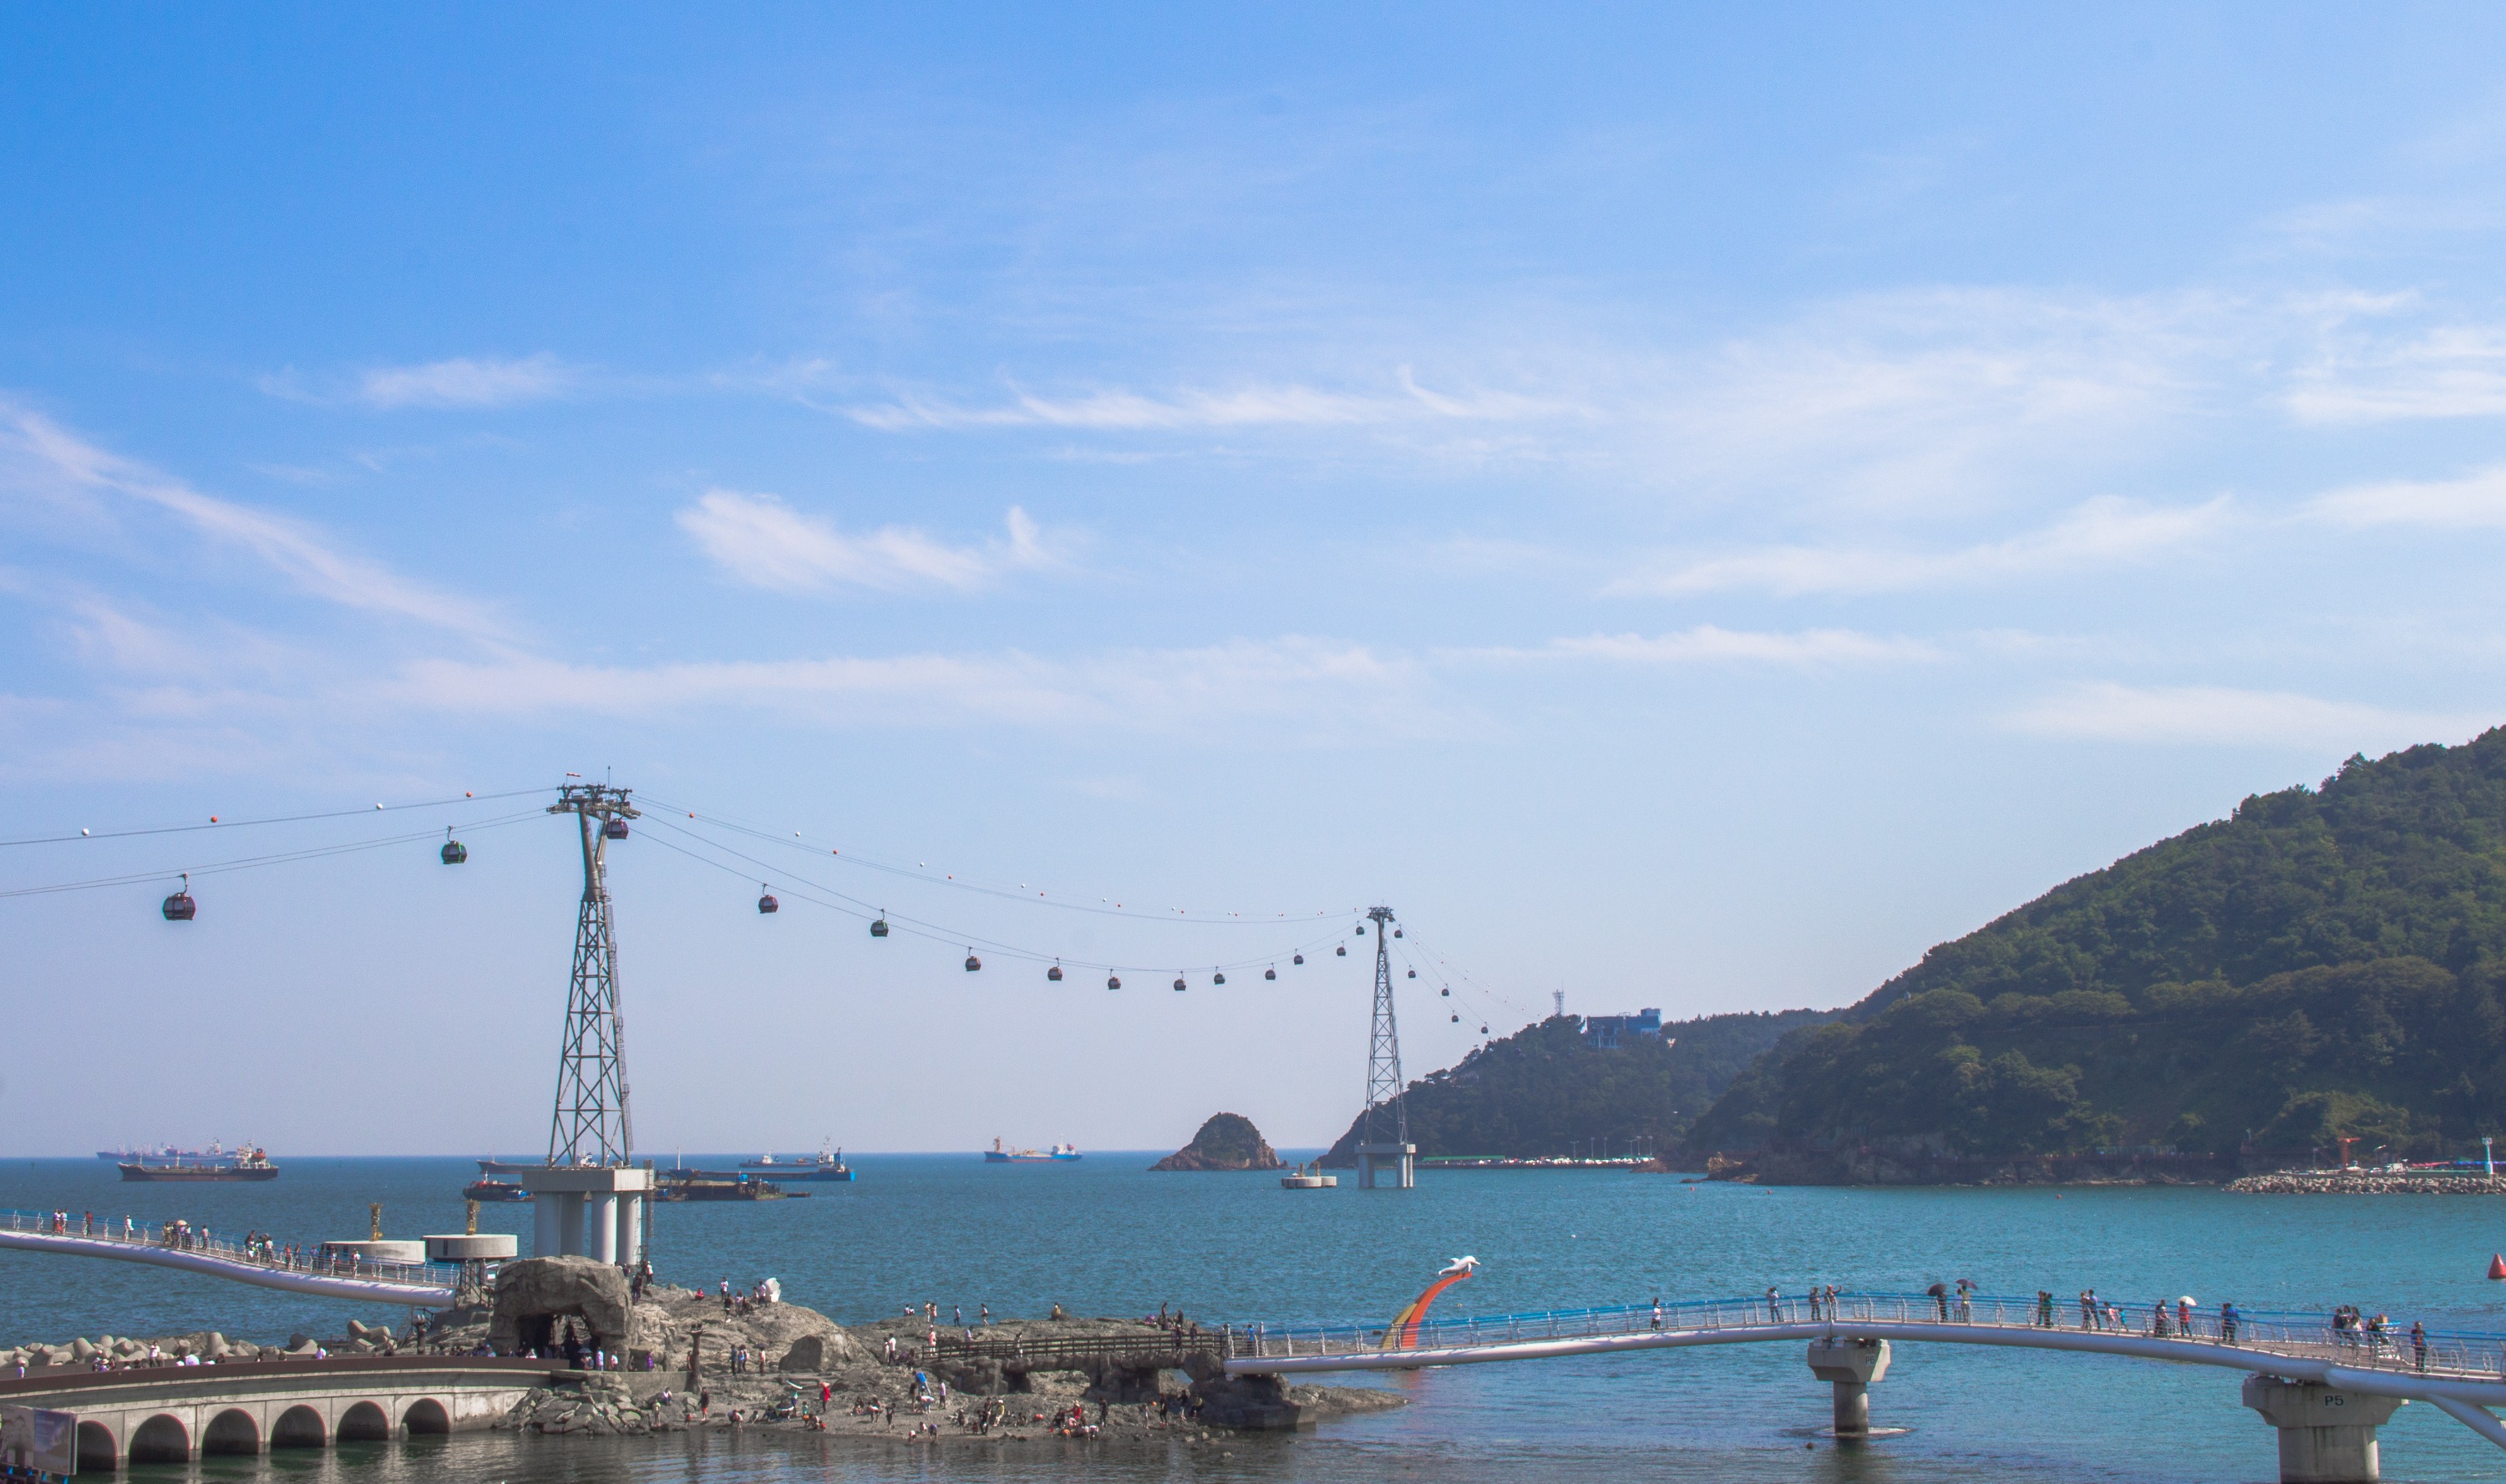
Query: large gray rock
x: 534, y: 1295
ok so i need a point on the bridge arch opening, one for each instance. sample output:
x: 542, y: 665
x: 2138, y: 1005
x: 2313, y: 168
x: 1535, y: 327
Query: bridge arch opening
x: 95, y: 1448
x: 298, y: 1428
x: 161, y: 1439
x: 427, y: 1418
x: 231, y: 1431
x: 364, y: 1423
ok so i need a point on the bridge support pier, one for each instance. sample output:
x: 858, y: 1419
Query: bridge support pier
x: 2326, y: 1436
x: 1851, y: 1366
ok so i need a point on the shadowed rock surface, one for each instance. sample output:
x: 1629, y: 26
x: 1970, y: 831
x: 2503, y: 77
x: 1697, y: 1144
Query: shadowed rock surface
x: 1227, y: 1141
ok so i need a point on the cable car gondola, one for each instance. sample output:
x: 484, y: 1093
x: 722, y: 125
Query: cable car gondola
x: 1448, y: 992
x: 1054, y: 974
x: 1342, y: 950
x: 879, y: 927
x: 767, y: 903
x: 1178, y: 983
x: 1298, y: 959
x: 1457, y: 1020
x: 1397, y: 933
x: 1413, y: 973
x: 973, y: 962
x: 453, y: 851
x: 1361, y: 929
x: 1271, y: 973
x: 180, y: 907
x: 1482, y: 1030
x: 614, y: 830
x: 1113, y: 981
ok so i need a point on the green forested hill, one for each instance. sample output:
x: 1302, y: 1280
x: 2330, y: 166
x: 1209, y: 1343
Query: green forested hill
x: 1543, y: 1091
x: 2326, y: 961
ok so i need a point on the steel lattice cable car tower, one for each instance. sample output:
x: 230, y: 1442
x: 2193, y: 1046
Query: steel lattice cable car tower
x: 590, y: 1125
x: 590, y: 1198
x: 1388, y: 1112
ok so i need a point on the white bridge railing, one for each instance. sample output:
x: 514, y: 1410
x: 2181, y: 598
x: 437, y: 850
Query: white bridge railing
x: 260, y: 1256
x: 2465, y: 1355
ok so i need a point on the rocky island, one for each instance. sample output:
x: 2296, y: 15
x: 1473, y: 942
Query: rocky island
x: 673, y: 1360
x: 1227, y: 1141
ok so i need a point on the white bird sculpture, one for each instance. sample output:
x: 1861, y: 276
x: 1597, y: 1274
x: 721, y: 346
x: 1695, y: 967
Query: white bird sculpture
x: 1458, y: 1266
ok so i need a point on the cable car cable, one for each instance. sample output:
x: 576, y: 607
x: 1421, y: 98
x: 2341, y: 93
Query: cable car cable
x: 278, y: 819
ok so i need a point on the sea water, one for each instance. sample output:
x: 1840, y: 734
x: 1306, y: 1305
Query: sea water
x: 1103, y: 1235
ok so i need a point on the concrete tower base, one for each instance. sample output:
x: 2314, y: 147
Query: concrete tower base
x: 1398, y: 1160
x: 588, y: 1210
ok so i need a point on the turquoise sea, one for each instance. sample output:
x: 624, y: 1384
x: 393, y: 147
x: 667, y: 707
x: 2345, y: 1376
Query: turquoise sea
x: 1103, y: 1235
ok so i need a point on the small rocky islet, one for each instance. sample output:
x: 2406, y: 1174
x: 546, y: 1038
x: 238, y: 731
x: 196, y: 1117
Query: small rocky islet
x: 1226, y: 1142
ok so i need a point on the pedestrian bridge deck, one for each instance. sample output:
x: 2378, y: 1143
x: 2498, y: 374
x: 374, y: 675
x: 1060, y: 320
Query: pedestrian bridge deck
x: 428, y: 1284
x: 2461, y: 1373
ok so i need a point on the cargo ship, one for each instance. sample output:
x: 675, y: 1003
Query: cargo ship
x: 718, y: 1185
x: 826, y: 1164
x: 494, y: 1191
x: 211, y: 1164
x: 997, y: 1155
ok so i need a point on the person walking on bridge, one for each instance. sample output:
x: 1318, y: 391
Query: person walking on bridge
x: 2088, y: 1308
x: 2418, y: 1344
x: 1940, y: 1293
x: 1774, y: 1306
x: 1657, y: 1312
x: 2227, y: 1322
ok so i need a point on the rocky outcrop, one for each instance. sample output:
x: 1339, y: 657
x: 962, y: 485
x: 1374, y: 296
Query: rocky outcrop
x: 599, y: 1406
x: 2367, y: 1183
x: 1227, y: 1141
x: 533, y: 1295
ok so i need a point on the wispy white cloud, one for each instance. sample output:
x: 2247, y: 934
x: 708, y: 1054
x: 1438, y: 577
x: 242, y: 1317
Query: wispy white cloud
x: 2227, y: 716
x: 1314, y: 685
x: 1709, y: 644
x: 1283, y: 404
x: 2477, y: 499
x: 463, y: 382
x: 42, y: 460
x: 766, y: 542
x: 2450, y: 371
x: 2100, y: 532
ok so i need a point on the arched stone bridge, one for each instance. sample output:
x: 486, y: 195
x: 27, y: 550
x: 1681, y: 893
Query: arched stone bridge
x: 176, y: 1413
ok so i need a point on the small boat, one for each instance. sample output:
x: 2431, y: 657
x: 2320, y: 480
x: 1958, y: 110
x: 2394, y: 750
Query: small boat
x: 1309, y: 1178
x: 494, y: 1191
x: 246, y: 1163
x: 997, y: 1155
x: 826, y: 1164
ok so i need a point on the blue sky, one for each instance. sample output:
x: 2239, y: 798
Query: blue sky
x: 1689, y: 505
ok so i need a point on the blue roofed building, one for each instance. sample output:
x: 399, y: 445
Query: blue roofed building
x: 1605, y: 1032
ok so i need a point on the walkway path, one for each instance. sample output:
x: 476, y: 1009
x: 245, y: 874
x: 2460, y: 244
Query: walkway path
x: 2461, y: 1373
x: 423, y: 1283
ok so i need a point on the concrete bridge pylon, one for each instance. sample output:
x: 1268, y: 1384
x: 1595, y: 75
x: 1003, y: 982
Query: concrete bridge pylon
x: 1851, y: 1365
